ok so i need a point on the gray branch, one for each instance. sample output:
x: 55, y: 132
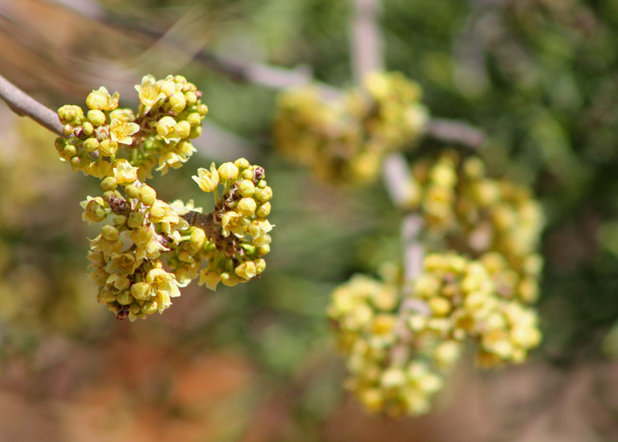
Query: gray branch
x: 454, y: 132
x: 26, y: 106
x: 365, y: 41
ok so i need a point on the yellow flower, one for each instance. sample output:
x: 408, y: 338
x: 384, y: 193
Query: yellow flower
x: 94, y: 209
x: 162, y: 281
x: 124, y: 172
x: 121, y: 131
x: 148, y: 92
x: 165, y: 128
x: 230, y: 223
x: 124, y: 264
x: 207, y: 180
x: 102, y: 100
x: 169, y: 159
x: 246, y: 270
x: 211, y: 279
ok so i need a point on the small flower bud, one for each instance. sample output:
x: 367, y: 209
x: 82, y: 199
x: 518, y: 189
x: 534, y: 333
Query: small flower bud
x: 202, y: 109
x: 228, y: 171
x: 246, y: 188
x: 69, y: 150
x: 195, y: 132
x: 149, y: 307
x: 229, y: 280
x: 264, y: 195
x: 136, y: 219
x: 242, y: 163
x: 109, y: 232
x: 263, y: 211
x: 246, y: 206
x: 263, y: 249
x: 194, y: 119
x: 165, y: 126
x: 87, y: 128
x: 177, y: 102
x: 108, y: 147
x: 91, y: 144
x: 109, y: 183
x: 70, y: 114
x: 247, y: 174
x: 147, y: 195
x: 197, y: 237
x: 96, y: 117
x: 131, y: 191
x: 102, y: 100
x: 94, y: 212
x: 140, y: 291
x: 124, y: 298
x: 191, y: 99
x: 260, y: 265
x: 183, y: 129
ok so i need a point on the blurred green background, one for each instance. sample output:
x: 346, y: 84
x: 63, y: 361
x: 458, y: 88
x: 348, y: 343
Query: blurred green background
x: 257, y: 362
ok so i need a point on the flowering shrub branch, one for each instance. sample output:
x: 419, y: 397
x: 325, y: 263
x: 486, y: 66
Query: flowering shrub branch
x: 148, y: 249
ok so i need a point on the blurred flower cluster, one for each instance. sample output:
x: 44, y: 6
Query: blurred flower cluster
x: 344, y: 139
x: 479, y: 277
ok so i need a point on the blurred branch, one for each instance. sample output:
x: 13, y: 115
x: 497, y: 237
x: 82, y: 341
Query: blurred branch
x: 454, y: 132
x: 26, y: 106
x: 263, y: 75
x: 366, y: 54
x: 365, y: 41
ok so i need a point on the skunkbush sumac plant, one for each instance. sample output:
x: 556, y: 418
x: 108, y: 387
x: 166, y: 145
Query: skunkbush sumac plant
x: 148, y: 248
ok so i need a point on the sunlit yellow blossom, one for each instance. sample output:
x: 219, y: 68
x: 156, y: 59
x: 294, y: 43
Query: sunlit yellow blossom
x: 207, y: 180
x: 149, y: 92
x: 102, y: 100
x: 121, y: 131
x: 124, y: 172
x: 162, y: 281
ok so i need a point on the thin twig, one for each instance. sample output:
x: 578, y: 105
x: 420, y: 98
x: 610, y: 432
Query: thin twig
x: 366, y: 54
x: 26, y: 106
x: 365, y: 41
x: 264, y: 75
x: 454, y: 132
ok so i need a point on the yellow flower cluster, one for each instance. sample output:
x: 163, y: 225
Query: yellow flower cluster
x: 148, y: 249
x: 494, y: 221
x: 401, y: 341
x: 170, y: 114
x: 126, y: 258
x: 344, y: 140
x: 463, y: 303
x: 237, y: 228
x: 480, y: 290
x: 391, y: 370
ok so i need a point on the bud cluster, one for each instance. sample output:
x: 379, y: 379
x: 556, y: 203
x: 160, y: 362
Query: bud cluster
x: 237, y: 228
x: 127, y: 257
x: 477, y: 284
x: 463, y: 303
x: 494, y: 221
x: 344, y: 140
x: 170, y: 114
x: 147, y: 248
x: 390, y: 370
